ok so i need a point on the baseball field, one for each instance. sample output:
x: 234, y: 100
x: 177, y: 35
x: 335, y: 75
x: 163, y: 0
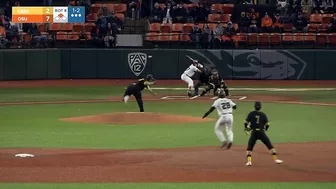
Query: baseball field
x: 83, y: 136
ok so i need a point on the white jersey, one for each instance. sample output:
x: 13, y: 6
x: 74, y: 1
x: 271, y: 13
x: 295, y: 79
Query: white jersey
x: 223, y: 106
x: 191, y: 70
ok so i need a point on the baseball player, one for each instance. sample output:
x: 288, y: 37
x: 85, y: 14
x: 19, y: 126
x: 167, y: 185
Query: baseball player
x: 215, y: 83
x: 189, y: 72
x: 224, y: 108
x: 203, y: 79
x: 256, y: 124
x: 135, y: 89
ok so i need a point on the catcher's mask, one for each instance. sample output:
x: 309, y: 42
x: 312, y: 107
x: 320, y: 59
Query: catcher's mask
x: 221, y: 93
x: 215, y: 74
x: 257, y: 106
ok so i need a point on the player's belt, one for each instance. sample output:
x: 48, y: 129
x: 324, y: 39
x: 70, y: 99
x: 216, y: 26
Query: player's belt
x: 186, y: 74
x: 226, y: 113
x: 257, y: 129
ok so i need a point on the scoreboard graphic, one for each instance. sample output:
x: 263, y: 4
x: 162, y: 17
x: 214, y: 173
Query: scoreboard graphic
x: 48, y: 14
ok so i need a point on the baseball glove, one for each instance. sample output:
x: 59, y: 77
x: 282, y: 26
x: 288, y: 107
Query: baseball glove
x: 247, y: 130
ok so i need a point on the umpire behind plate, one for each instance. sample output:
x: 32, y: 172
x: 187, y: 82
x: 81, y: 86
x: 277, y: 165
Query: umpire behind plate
x: 256, y: 124
x: 135, y: 89
x: 203, y: 79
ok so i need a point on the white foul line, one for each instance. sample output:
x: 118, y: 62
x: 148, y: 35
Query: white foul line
x: 194, y: 97
x: 259, y: 89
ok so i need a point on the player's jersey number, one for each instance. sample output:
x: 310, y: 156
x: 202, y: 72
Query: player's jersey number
x: 225, y: 105
x: 257, y: 118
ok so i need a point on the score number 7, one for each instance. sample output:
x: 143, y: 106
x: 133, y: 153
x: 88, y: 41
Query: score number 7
x: 47, y: 12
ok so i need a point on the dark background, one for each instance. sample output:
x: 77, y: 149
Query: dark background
x: 166, y: 64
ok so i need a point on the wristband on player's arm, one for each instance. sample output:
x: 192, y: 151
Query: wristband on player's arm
x: 245, y: 124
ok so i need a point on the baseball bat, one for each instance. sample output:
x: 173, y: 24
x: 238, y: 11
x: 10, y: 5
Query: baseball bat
x: 190, y: 58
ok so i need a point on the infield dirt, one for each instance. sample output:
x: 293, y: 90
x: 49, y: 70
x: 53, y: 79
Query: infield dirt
x: 303, y: 162
x: 131, y: 118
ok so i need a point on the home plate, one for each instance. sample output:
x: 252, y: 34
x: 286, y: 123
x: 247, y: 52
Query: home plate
x: 242, y: 98
x: 24, y: 155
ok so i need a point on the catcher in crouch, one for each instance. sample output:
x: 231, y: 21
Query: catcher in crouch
x: 215, y: 83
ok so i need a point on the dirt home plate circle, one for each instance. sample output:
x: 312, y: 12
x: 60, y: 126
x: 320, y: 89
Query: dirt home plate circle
x: 24, y: 155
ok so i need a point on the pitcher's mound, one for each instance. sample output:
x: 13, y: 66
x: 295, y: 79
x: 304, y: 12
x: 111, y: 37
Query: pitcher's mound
x: 132, y: 118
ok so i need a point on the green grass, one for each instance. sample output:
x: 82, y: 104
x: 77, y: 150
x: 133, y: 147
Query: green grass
x: 39, y: 126
x: 103, y: 92
x: 175, y: 186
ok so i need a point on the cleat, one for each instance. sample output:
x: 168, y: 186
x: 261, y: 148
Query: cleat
x: 190, y: 95
x: 229, y: 146
x: 248, y: 163
x: 278, y: 161
x: 223, y: 144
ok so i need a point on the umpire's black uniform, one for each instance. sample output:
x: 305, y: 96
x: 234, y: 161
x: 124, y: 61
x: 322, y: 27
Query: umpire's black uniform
x: 203, y: 79
x: 257, y: 123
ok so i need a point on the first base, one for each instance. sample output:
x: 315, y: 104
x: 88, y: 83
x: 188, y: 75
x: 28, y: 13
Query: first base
x: 24, y: 155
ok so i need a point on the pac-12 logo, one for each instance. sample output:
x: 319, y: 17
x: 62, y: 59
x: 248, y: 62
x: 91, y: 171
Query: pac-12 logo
x: 137, y: 62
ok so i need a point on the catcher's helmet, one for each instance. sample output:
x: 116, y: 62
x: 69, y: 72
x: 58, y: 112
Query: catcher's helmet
x: 150, y: 78
x: 221, y: 93
x: 214, y: 72
x: 257, y: 105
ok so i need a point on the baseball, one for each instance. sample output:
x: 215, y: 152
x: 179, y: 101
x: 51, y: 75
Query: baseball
x: 150, y: 56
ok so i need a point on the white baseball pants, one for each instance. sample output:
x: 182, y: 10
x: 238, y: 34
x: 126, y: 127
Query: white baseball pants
x: 188, y: 80
x: 224, y: 122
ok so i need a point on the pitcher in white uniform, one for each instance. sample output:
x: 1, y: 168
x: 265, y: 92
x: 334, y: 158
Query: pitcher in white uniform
x: 188, y: 73
x: 224, y: 108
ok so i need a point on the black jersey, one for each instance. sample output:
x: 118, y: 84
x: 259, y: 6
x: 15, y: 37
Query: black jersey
x: 142, y: 84
x: 257, y: 120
